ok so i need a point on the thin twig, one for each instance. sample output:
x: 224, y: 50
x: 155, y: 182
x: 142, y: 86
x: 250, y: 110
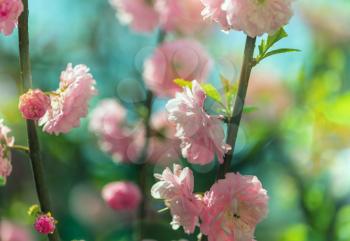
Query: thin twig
x: 235, y: 119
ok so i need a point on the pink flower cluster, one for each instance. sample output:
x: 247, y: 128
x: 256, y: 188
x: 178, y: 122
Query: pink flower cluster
x: 185, y: 59
x: 6, y: 142
x: 45, y: 224
x: 122, y: 196
x: 176, y: 188
x: 229, y: 211
x: 61, y: 110
x: 254, y: 17
x: 201, y: 134
x: 170, y: 15
x: 125, y: 141
x: 10, y: 10
x: 69, y: 103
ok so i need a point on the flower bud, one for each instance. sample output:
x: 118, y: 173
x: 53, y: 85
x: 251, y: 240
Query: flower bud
x: 45, y: 224
x: 122, y: 196
x: 33, y: 104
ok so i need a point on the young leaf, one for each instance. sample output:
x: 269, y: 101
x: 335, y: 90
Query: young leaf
x: 272, y: 39
x: 34, y: 210
x: 183, y: 83
x: 280, y: 51
x: 212, y: 92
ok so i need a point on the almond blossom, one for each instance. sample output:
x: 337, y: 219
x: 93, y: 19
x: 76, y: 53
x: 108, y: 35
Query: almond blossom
x: 180, y: 15
x: 6, y: 141
x: 185, y: 59
x: 176, y: 188
x: 69, y: 103
x: 254, y: 17
x: 233, y: 207
x: 202, y: 136
x: 10, y: 10
x: 139, y: 14
x: 164, y: 147
x: 109, y: 124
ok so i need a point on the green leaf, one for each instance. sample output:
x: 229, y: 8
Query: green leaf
x: 2, y: 181
x: 280, y: 51
x: 34, y: 210
x: 183, y: 83
x: 212, y: 92
x: 249, y: 109
x: 272, y: 39
x: 209, y: 89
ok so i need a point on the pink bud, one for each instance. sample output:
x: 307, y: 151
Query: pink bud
x: 122, y: 196
x: 33, y: 104
x: 45, y: 224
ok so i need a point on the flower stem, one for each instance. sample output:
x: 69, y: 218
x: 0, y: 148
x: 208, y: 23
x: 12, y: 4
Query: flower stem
x: 235, y: 119
x: 20, y: 148
x: 34, y: 147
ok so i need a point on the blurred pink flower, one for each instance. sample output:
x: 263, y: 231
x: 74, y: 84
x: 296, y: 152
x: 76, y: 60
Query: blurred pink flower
x: 6, y: 141
x: 176, y: 188
x: 122, y: 196
x: 10, y: 10
x: 70, y: 102
x: 233, y: 207
x: 268, y: 93
x: 107, y: 115
x: 180, y: 15
x: 139, y: 14
x: 201, y: 135
x: 184, y: 59
x: 254, y: 17
x: 164, y: 147
x: 45, y: 224
x: 33, y: 104
x: 214, y: 9
x: 108, y: 122
x: 13, y: 232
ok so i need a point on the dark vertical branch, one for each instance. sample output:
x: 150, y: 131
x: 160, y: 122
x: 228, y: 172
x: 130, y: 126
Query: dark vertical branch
x: 143, y: 159
x: 34, y: 147
x: 235, y: 119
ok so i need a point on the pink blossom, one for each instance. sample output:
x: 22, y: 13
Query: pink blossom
x: 10, y: 10
x: 122, y: 196
x: 180, y: 15
x: 70, y: 102
x: 214, y: 9
x: 108, y: 122
x: 201, y: 135
x: 254, y: 17
x: 184, y: 59
x: 13, y: 232
x: 45, y: 224
x: 106, y: 116
x: 233, y: 207
x: 164, y: 147
x: 139, y: 14
x: 6, y: 141
x: 33, y: 104
x: 176, y: 188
